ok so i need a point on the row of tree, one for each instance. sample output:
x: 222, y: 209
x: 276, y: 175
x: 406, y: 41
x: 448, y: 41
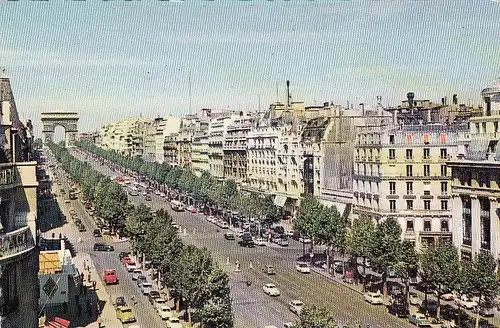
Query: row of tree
x: 381, y: 244
x: 190, y: 272
x: 205, y: 189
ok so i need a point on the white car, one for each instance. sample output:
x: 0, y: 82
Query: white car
x: 224, y: 225
x: 158, y: 303
x: 211, y: 218
x: 136, y: 273
x: 131, y: 267
x: 295, y: 306
x: 165, y: 312
x: 162, y: 195
x: 174, y: 323
x: 303, y: 268
x: 271, y: 290
x: 305, y: 240
x: 146, y: 287
x: 157, y: 192
x: 466, y: 302
x: 189, y: 208
x: 373, y: 298
x: 259, y: 241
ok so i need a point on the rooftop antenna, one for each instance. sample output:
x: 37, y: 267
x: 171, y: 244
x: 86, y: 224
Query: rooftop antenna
x: 277, y: 92
x: 288, y: 96
x: 189, y: 80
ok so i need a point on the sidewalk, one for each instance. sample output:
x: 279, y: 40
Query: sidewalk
x: 85, y: 294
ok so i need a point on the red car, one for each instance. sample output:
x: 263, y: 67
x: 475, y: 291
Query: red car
x: 127, y: 260
x: 194, y: 211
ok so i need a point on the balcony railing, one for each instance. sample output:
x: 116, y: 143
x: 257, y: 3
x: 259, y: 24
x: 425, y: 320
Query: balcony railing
x: 16, y: 242
x: 7, y: 174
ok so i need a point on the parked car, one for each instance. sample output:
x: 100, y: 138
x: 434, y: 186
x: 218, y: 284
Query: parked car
x: 131, y: 266
x: 269, y: 269
x: 136, y: 273
x: 466, y: 302
x: 229, y: 235
x: 174, y: 323
x: 419, y: 320
x: 125, y: 314
x: 158, y: 303
x: 373, y: 298
x: 140, y: 279
x: 398, y: 309
x: 271, y: 290
x: 246, y: 240
x: 146, y: 288
x: 259, y: 241
x: 165, y: 312
x: 486, y: 310
x: 97, y: 233
x: 303, y: 268
x: 127, y: 260
x: 153, y: 295
x: 425, y: 287
x: 429, y: 305
x: 296, y: 306
x: 444, y: 294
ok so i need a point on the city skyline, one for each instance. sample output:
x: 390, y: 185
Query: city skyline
x: 138, y: 58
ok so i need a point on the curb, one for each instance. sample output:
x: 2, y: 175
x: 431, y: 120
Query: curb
x: 329, y: 277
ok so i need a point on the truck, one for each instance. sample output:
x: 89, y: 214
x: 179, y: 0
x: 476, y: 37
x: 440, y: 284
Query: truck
x: 110, y: 277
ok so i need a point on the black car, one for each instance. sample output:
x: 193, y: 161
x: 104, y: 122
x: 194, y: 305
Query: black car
x: 425, y: 287
x: 120, y: 301
x: 123, y: 254
x: 103, y: 247
x: 140, y: 280
x: 148, y: 198
x: 97, y: 233
x: 81, y: 227
x: 246, y: 241
x: 152, y: 295
x: 398, y: 309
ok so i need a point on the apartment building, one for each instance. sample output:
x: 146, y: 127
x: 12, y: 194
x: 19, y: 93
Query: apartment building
x: 171, y: 150
x: 199, y: 148
x: 235, y: 147
x: 18, y: 210
x: 476, y: 182
x: 166, y: 126
x: 400, y: 171
x: 126, y: 137
x: 217, y: 133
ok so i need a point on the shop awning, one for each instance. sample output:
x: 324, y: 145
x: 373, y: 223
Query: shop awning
x: 279, y: 200
x: 340, y: 206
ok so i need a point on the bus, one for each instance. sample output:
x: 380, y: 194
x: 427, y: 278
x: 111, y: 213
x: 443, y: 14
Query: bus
x: 177, y: 206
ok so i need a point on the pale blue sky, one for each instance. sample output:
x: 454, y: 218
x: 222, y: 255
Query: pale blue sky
x: 110, y: 60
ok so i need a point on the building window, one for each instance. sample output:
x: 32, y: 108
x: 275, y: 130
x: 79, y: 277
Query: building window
x: 444, y: 170
x: 427, y: 225
x: 444, y: 205
x: 9, y: 301
x: 409, y: 204
x: 409, y: 154
x: 444, y: 226
x: 391, y: 139
x: 392, y: 187
x: 427, y: 170
x: 409, y: 188
x: 443, y: 153
x: 409, y: 226
x: 409, y: 170
x: 444, y: 188
x: 392, y: 205
x: 392, y: 153
x: 427, y: 153
x: 427, y: 204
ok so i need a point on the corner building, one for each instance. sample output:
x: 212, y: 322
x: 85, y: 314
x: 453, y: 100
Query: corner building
x: 476, y: 182
x: 18, y: 205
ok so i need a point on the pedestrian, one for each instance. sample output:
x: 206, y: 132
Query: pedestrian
x: 251, y: 265
x: 79, y: 239
x: 89, y: 277
x: 99, y: 322
x: 93, y: 285
x: 65, y: 307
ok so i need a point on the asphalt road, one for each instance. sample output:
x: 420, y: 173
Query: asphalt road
x: 252, y: 308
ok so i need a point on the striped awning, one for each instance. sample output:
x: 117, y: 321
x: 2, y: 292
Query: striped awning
x: 280, y: 200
